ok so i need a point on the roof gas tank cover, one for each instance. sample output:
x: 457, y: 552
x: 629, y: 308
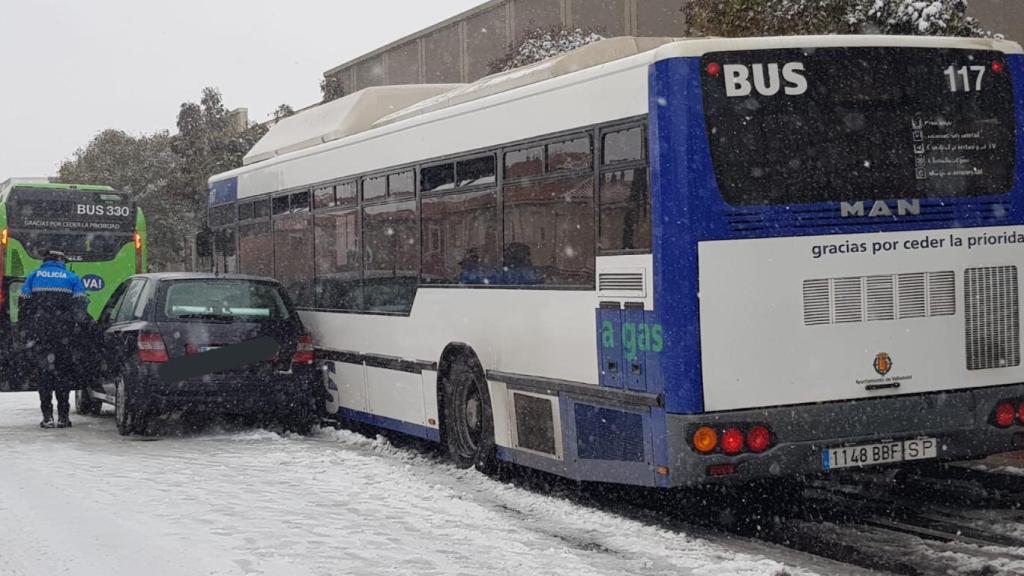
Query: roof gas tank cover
x: 381, y: 105
x: 339, y: 118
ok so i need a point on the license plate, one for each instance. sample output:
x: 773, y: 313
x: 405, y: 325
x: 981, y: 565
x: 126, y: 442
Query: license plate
x: 883, y: 453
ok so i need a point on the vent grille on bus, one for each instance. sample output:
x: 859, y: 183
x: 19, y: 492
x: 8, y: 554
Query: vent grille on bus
x: 629, y: 283
x: 992, y: 317
x: 882, y: 297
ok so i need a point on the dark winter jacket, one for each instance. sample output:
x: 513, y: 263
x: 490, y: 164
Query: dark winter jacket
x: 53, y: 322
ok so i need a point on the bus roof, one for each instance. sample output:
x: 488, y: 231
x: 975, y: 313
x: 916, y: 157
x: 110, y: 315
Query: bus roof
x: 579, y: 66
x: 53, y: 186
x: 40, y: 183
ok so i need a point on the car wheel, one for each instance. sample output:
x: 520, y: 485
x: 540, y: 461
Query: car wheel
x: 128, y: 411
x: 468, y: 419
x: 86, y: 405
x: 298, y: 417
x: 301, y: 422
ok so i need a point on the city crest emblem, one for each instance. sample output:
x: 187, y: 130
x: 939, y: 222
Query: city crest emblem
x: 883, y: 363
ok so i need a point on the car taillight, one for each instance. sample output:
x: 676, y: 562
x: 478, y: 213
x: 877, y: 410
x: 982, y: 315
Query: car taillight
x: 732, y: 441
x: 151, y: 348
x: 304, y: 350
x: 1005, y: 413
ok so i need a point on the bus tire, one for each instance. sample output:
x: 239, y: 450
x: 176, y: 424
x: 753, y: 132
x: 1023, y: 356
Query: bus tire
x: 129, y: 414
x: 86, y: 405
x: 468, y: 419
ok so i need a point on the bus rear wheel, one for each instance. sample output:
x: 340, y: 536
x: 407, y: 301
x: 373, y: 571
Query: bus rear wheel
x: 468, y: 418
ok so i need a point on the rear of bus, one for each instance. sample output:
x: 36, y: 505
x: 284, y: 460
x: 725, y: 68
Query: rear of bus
x: 839, y: 231
x: 100, y: 230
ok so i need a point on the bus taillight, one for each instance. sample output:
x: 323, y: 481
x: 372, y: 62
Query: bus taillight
x: 138, y: 253
x: 758, y: 439
x: 732, y: 441
x: 3, y: 263
x: 1004, y: 415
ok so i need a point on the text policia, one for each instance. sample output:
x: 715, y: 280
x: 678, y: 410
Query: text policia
x: 930, y: 241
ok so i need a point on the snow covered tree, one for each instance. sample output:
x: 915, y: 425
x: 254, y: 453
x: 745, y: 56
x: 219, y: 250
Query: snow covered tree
x: 282, y: 111
x: 331, y: 89
x: 791, y: 17
x: 166, y: 174
x: 933, y: 18
x: 145, y: 167
x: 207, y: 143
x: 541, y: 44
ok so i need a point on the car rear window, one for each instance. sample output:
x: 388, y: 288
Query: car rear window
x: 224, y: 300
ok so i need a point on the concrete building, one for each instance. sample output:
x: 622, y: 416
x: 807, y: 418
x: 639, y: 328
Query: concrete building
x: 1003, y: 16
x: 461, y: 48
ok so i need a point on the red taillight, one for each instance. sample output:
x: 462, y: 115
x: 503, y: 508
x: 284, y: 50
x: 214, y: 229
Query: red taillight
x: 732, y: 441
x: 151, y: 348
x: 304, y: 350
x: 758, y: 439
x: 1005, y: 413
x: 1020, y: 413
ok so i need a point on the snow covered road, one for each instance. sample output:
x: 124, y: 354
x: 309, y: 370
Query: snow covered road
x: 87, y: 502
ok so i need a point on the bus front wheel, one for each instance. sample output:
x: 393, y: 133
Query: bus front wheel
x: 468, y: 418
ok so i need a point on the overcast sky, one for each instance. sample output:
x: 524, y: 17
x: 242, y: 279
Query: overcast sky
x: 71, y: 68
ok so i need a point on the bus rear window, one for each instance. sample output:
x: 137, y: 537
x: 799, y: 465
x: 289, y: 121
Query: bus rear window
x: 849, y: 124
x: 78, y: 246
x: 74, y: 210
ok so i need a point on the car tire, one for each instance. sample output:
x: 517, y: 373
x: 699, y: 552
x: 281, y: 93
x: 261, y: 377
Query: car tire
x: 129, y: 412
x: 86, y: 405
x: 468, y: 418
x: 298, y: 418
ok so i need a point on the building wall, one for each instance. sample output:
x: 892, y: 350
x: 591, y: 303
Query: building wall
x: 1004, y: 17
x: 461, y: 48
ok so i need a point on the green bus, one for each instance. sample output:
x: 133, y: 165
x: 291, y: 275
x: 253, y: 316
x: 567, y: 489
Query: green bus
x: 101, y: 230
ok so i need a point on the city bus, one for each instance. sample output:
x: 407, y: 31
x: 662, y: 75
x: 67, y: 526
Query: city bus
x: 102, y: 232
x: 665, y: 262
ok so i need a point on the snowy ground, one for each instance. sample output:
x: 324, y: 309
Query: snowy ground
x: 87, y: 502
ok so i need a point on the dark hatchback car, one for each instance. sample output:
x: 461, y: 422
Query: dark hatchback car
x: 154, y: 321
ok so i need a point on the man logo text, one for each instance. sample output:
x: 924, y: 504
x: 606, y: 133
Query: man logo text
x: 881, y: 208
x: 767, y: 79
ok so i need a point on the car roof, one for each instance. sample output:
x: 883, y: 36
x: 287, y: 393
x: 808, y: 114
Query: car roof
x: 170, y: 276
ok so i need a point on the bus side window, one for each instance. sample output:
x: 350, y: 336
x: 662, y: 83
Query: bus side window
x: 625, y: 199
x: 549, y: 220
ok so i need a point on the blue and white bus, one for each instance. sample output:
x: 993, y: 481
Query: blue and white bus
x: 662, y: 262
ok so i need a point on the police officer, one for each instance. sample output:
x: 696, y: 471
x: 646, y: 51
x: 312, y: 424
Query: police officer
x: 51, y: 305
